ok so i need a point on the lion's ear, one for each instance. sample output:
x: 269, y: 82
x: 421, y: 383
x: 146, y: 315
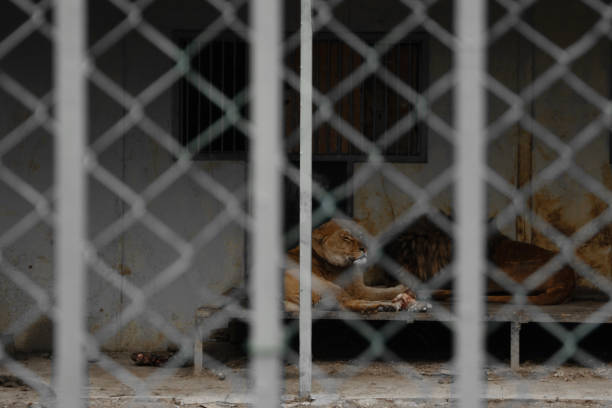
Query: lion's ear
x: 319, y: 234
x: 317, y: 246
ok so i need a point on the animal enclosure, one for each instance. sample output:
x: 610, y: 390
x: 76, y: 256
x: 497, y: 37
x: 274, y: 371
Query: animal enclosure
x: 160, y: 158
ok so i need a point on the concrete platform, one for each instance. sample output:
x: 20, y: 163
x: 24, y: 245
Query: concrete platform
x: 588, y: 306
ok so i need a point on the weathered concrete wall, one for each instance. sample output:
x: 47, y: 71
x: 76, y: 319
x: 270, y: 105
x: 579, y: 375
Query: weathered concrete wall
x: 565, y: 202
x: 31, y: 160
x: 378, y: 202
x: 518, y: 155
x: 136, y: 159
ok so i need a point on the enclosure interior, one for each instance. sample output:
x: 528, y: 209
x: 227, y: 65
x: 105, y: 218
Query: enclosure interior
x: 420, y: 154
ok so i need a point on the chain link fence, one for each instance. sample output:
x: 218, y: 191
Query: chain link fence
x: 223, y: 134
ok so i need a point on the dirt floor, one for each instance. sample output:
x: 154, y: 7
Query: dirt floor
x: 114, y: 381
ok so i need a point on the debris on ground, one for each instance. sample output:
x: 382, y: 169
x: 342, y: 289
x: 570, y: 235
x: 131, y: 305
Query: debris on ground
x: 11, y: 381
x: 148, y: 358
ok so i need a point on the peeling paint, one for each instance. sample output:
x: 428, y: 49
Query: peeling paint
x: 123, y: 270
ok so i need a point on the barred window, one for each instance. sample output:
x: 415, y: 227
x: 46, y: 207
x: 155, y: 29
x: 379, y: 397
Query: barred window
x: 372, y: 107
x: 222, y: 64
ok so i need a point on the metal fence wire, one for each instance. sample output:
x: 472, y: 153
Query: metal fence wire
x: 158, y: 159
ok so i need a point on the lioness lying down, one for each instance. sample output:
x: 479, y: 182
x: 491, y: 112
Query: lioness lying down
x: 335, y: 251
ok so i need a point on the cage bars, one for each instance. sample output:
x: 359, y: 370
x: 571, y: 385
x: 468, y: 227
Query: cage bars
x: 469, y: 233
x: 69, y: 363
x: 266, y: 161
x: 305, y: 363
x: 265, y: 284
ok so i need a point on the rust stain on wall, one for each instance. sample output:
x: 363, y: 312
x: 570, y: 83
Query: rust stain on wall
x: 595, y: 252
x: 524, y: 169
x: 123, y: 270
x: 546, y: 153
x: 606, y: 175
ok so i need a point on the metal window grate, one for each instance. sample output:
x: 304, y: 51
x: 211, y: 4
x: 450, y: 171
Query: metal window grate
x: 373, y: 107
x: 224, y: 64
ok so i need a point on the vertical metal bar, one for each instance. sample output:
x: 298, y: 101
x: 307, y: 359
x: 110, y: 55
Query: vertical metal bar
x: 305, y: 198
x: 329, y: 87
x: 469, y: 234
x: 209, y: 143
x: 223, y: 46
x: 416, y: 55
x: 198, y: 104
x: 352, y: 96
x: 319, y: 83
x: 397, y: 98
x: 338, y: 141
x: 362, y: 111
x: 198, y: 352
x: 413, y: 145
x: 265, y: 285
x: 385, y: 109
x: 187, y: 125
x: 234, y: 86
x: 374, y: 109
x: 515, y: 345
x: 69, y: 364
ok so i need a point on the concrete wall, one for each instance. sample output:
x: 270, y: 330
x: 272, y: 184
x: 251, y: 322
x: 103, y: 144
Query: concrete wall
x: 136, y: 159
x: 565, y: 202
x: 518, y: 155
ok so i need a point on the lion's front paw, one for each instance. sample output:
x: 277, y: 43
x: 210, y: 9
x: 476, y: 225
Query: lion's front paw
x: 407, y: 301
x: 403, y: 300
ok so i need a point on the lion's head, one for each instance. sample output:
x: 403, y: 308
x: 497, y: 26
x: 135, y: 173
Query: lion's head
x: 335, y: 242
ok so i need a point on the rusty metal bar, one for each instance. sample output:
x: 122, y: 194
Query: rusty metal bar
x: 469, y: 234
x: 223, y: 88
x: 515, y: 345
x: 69, y: 362
x: 266, y: 142
x: 198, y: 351
x: 306, y: 199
